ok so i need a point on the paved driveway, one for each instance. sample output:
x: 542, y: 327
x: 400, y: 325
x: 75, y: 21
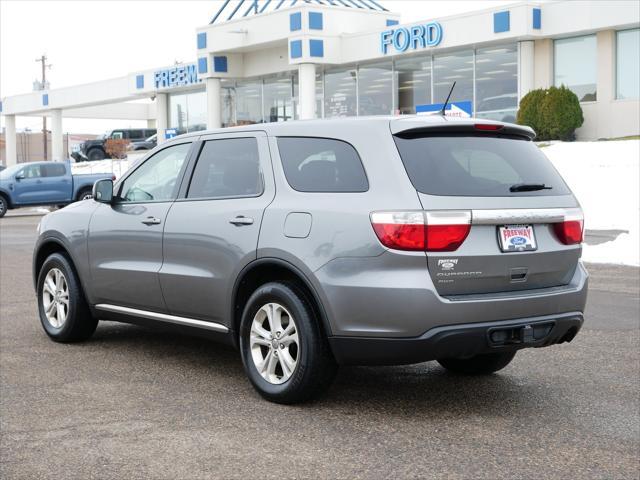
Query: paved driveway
x: 133, y: 403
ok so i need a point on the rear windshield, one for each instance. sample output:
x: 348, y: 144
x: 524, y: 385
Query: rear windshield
x: 477, y: 165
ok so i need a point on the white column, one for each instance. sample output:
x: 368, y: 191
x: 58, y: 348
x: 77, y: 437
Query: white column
x: 526, y: 71
x: 214, y: 105
x: 10, y: 140
x: 307, y: 89
x: 161, y: 115
x: 57, y: 139
x: 151, y: 123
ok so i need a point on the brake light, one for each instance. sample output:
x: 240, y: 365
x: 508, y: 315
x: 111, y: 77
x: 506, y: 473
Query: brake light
x: 488, y: 126
x: 570, y: 231
x: 442, y: 231
x: 400, y: 230
x: 447, y: 230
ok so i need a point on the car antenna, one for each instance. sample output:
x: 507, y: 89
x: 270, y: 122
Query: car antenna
x: 444, y: 107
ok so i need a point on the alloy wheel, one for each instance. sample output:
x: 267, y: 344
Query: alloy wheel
x: 274, y: 343
x: 55, y: 298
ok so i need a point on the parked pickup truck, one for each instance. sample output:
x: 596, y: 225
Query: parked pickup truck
x: 44, y: 183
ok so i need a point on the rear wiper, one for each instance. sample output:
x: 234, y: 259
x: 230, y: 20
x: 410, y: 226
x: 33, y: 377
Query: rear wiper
x: 528, y: 187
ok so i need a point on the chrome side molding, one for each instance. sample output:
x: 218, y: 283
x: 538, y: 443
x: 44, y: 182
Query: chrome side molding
x: 523, y: 215
x: 162, y: 317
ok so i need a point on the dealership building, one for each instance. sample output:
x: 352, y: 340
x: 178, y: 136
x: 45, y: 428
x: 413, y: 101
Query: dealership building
x: 280, y: 60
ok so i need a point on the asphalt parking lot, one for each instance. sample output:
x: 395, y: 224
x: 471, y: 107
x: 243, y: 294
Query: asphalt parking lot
x: 135, y: 403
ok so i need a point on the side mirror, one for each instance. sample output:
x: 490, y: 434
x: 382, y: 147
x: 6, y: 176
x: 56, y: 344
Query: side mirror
x: 103, y: 191
x: 19, y: 176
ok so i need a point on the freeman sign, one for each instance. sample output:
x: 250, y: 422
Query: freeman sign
x: 405, y: 38
x: 176, y: 76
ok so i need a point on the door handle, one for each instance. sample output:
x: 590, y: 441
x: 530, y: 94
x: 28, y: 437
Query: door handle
x: 241, y: 220
x: 151, y: 221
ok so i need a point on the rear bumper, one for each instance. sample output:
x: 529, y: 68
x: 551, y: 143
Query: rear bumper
x: 458, y: 341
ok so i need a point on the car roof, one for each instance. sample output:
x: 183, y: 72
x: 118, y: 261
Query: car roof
x: 394, y: 123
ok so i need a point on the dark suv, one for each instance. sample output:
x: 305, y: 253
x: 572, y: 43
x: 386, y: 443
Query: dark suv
x: 312, y: 244
x: 91, y: 150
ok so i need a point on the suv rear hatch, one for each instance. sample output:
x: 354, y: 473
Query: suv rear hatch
x: 498, y: 217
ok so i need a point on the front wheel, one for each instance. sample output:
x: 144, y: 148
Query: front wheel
x: 478, y: 365
x: 96, y: 154
x: 64, y: 313
x: 284, y: 350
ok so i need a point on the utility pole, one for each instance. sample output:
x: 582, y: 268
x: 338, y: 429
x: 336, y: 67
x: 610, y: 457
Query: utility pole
x: 43, y: 61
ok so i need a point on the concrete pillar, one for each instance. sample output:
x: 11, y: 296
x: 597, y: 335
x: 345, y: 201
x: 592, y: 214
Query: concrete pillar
x: 307, y: 89
x: 57, y: 139
x: 526, y: 70
x: 214, y: 103
x: 162, y: 115
x: 543, y: 68
x: 10, y: 140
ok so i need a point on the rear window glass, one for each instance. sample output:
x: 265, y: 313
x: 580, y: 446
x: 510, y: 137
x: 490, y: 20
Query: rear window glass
x: 477, y: 165
x: 321, y: 165
x: 54, y: 170
x: 227, y: 168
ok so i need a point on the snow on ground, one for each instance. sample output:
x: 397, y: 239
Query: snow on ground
x: 605, y: 177
x: 117, y: 167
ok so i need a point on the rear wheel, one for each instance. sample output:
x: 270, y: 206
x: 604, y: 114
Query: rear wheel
x: 85, y: 194
x: 96, y: 154
x: 284, y: 350
x: 478, y: 365
x: 64, y: 313
x: 4, y: 206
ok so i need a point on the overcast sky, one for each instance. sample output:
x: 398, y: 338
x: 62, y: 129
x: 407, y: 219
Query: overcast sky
x: 92, y: 40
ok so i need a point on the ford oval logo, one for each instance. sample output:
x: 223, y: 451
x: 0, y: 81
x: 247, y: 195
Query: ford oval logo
x: 518, y: 240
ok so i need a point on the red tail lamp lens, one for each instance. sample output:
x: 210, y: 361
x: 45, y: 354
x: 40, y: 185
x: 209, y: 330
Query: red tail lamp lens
x: 441, y: 231
x: 569, y: 232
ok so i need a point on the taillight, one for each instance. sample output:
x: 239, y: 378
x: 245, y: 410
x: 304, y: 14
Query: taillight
x: 446, y: 230
x: 570, y: 231
x: 441, y: 231
x: 400, y: 230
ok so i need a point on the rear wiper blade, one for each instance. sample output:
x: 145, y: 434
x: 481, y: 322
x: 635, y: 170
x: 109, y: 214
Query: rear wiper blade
x: 528, y: 187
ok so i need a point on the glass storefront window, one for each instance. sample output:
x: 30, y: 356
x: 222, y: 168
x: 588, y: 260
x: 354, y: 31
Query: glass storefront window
x: 575, y: 66
x: 319, y: 95
x: 228, y: 103
x: 456, y: 67
x: 340, y: 93
x: 249, y: 102
x: 278, y: 99
x: 628, y: 64
x: 178, y: 112
x: 375, y: 89
x: 196, y: 111
x: 414, y: 83
x: 497, y: 83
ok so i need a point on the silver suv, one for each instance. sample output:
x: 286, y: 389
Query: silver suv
x: 312, y: 244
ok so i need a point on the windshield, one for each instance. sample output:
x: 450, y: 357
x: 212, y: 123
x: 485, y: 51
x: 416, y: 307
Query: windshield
x: 152, y: 138
x: 9, y: 171
x: 463, y: 164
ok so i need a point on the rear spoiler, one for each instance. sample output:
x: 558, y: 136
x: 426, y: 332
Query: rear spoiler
x: 503, y: 131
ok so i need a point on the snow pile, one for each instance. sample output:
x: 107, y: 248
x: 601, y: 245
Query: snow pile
x: 605, y: 177
x: 117, y: 167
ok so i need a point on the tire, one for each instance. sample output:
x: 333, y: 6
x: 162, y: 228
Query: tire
x: 4, y: 206
x: 314, y: 367
x: 96, y: 154
x: 478, y: 365
x: 78, y: 324
x: 85, y: 194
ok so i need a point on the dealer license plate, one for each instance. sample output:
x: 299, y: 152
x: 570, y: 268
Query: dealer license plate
x: 517, y: 238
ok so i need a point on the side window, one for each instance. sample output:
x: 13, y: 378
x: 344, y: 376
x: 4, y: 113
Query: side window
x: 321, y: 165
x: 227, y: 168
x: 32, y: 171
x: 136, y: 134
x: 54, y: 170
x: 117, y: 135
x: 155, y: 180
